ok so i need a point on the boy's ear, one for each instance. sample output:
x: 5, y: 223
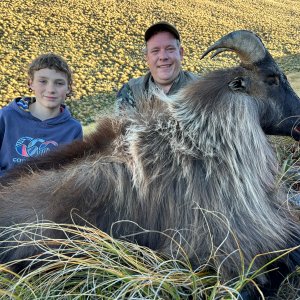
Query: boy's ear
x: 29, y: 83
x: 69, y: 92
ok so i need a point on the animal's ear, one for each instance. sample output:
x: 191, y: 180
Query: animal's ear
x: 238, y: 84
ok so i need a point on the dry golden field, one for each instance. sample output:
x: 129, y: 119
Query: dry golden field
x: 102, y: 39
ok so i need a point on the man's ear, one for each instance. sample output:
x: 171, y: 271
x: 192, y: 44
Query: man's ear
x: 181, y: 51
x: 238, y: 84
x: 146, y: 58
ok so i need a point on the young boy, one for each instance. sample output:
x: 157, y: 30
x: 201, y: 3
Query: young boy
x: 32, y: 126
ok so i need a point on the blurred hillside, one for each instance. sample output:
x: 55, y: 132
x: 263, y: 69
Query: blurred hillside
x: 102, y: 39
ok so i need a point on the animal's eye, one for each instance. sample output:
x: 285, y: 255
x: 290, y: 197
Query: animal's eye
x: 272, y: 79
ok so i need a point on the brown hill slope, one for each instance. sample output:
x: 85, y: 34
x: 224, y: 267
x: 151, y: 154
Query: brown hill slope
x: 102, y: 39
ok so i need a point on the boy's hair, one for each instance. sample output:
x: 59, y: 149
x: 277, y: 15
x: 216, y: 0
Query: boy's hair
x: 51, y: 61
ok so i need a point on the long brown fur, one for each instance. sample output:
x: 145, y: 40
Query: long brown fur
x: 197, y: 167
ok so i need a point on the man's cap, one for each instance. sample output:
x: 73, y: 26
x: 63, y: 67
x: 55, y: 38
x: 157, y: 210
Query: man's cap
x: 160, y: 27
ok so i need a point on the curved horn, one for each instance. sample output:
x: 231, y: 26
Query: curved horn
x: 246, y: 44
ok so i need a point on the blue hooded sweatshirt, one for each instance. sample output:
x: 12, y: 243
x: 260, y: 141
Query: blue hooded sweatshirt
x: 23, y: 135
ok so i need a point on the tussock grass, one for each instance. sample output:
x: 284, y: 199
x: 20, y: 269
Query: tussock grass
x: 89, y: 264
x: 288, y: 156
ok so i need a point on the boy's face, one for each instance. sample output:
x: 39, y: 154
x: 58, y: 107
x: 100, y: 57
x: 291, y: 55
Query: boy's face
x: 50, y: 88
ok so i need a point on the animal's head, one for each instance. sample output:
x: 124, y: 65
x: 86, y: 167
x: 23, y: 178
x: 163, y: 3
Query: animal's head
x: 261, y: 78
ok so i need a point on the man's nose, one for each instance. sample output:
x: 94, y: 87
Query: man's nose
x: 163, y: 55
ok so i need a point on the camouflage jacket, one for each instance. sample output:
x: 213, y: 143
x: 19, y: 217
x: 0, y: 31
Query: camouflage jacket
x: 139, y: 88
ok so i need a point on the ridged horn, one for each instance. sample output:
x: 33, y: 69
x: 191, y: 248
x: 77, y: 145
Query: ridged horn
x: 246, y: 44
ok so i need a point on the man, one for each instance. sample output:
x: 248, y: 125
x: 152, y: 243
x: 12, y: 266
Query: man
x: 163, y: 54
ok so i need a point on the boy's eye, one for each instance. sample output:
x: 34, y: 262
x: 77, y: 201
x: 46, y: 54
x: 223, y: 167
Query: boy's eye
x: 42, y: 81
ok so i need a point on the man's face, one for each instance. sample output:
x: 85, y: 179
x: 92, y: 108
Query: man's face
x: 164, y: 57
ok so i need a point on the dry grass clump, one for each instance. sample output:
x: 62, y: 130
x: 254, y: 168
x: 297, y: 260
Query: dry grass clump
x: 89, y: 264
x: 288, y: 156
